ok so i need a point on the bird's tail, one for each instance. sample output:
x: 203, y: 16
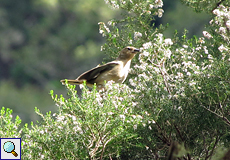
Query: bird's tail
x: 71, y: 81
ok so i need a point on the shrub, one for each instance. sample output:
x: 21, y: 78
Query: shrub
x: 174, y: 104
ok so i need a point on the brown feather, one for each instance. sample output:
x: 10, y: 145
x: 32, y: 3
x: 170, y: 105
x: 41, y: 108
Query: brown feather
x: 116, y: 70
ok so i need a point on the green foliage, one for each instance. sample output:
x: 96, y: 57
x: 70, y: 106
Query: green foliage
x: 42, y: 41
x: 182, y: 83
x: 204, y: 5
x: 8, y: 128
x: 93, y: 126
x: 175, y: 104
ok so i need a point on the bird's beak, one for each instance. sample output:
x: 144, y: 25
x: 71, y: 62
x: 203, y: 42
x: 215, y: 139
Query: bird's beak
x: 136, y: 50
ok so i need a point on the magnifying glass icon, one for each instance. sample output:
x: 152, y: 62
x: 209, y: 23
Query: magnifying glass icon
x: 9, y: 147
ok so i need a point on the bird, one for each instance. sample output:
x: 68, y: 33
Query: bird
x: 116, y: 70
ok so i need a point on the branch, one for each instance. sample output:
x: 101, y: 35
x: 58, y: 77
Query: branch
x: 178, y: 131
x: 164, y: 139
x: 217, y: 5
x: 218, y: 115
x: 210, y: 155
x: 221, y: 116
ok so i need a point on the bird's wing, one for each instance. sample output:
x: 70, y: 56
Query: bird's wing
x: 95, y: 72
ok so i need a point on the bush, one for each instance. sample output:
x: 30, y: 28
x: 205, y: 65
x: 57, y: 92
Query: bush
x: 174, y: 104
x: 8, y: 127
x: 89, y: 127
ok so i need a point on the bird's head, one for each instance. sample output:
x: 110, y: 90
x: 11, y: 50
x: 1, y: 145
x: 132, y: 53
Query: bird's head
x: 128, y: 53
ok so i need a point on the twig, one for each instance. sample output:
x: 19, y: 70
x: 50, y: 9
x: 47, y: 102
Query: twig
x: 178, y: 131
x: 217, y: 5
x: 221, y: 116
x: 210, y: 155
x: 165, y: 139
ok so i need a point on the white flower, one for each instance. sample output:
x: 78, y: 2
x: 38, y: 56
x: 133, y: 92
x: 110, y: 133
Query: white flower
x: 156, y: 69
x: 188, y: 74
x: 134, y: 104
x: 201, y: 40
x: 228, y: 24
x: 132, y: 83
x: 60, y: 118
x: 151, y: 6
x: 139, y: 116
x: 107, y: 29
x: 122, y: 116
x: 198, y: 48
x: 207, y: 35
x: 111, y: 23
x: 159, y: 3
x: 110, y: 113
x: 102, y: 48
x: 145, y: 53
x: 143, y: 75
x: 81, y: 86
x: 222, y: 48
x: 185, y: 46
x: 210, y: 56
x: 130, y: 41
x: 196, y: 72
x: 110, y: 83
x: 160, y: 13
x: 217, y: 12
x: 147, y: 113
x: 148, y: 12
x: 103, y: 28
x: 180, y: 75
x: 137, y: 35
x: 205, y: 49
x: 168, y: 41
x: 222, y: 30
x: 135, y: 127
x: 192, y: 83
x: 160, y: 37
x: 176, y: 65
x: 112, y: 3
x: 143, y: 66
x: 168, y: 53
x: 147, y: 45
x: 74, y: 118
x: 210, y: 22
x: 134, y: 116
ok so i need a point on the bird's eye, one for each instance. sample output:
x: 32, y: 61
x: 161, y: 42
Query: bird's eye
x: 129, y: 48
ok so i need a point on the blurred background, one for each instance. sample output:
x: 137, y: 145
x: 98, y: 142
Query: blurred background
x: 43, y: 41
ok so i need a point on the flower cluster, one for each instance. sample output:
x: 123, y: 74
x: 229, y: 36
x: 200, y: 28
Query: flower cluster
x: 137, y: 35
x: 112, y: 3
x: 222, y: 21
x: 103, y: 29
x: 116, y: 4
x: 151, y: 69
x: 145, y: 8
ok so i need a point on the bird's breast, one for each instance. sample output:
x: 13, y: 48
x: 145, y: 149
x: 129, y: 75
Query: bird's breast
x: 123, y: 72
x: 118, y: 73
